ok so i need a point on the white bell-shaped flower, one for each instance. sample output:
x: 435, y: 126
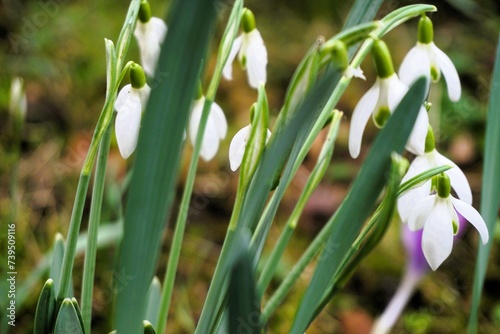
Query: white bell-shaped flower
x: 129, y: 105
x: 380, y: 101
x: 238, y: 146
x: 150, y: 33
x: 436, y: 215
x: 420, y: 164
x: 215, y: 129
x: 426, y: 59
x: 252, y: 53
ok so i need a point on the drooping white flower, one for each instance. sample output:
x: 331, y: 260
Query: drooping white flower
x: 420, y: 164
x: 150, y: 36
x: 436, y: 215
x: 252, y: 53
x: 238, y: 146
x: 129, y: 104
x: 380, y: 101
x: 215, y: 129
x: 426, y: 59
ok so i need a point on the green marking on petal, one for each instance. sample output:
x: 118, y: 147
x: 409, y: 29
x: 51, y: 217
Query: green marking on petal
x: 244, y: 62
x: 430, y: 142
x: 425, y: 30
x: 455, y: 227
x: 435, y: 73
x: 443, y: 185
x: 381, y: 116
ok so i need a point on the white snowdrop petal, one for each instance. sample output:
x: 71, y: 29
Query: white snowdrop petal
x: 449, y: 72
x: 127, y: 124
x: 416, y: 142
x: 421, y: 212
x: 360, y: 117
x: 227, y: 71
x: 458, y: 180
x: 122, y: 96
x: 237, y: 147
x: 194, y: 121
x: 210, y: 143
x: 415, y: 64
x: 407, y: 201
x: 256, y: 59
x: 396, y: 90
x: 158, y: 29
x: 473, y: 217
x: 219, y: 119
x: 437, y: 238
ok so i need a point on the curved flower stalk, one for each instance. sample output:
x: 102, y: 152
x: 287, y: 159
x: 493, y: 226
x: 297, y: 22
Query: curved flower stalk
x: 426, y: 59
x: 380, y: 101
x: 129, y: 104
x: 437, y: 217
x: 150, y: 33
x: 432, y: 158
x: 238, y: 145
x: 215, y: 129
x: 252, y: 53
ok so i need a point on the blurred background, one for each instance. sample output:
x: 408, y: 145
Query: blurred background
x: 57, y: 47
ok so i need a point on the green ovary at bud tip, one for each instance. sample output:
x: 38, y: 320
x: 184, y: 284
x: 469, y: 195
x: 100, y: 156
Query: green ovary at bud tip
x: 430, y: 142
x: 339, y: 54
x: 425, y: 30
x: 137, y: 76
x: 443, y: 186
x: 382, y: 59
x: 381, y: 116
x: 247, y: 20
x: 144, y: 11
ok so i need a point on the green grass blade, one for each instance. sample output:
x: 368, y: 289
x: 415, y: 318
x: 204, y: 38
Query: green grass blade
x: 490, y: 190
x: 356, y: 207
x: 362, y: 11
x: 158, y: 153
x: 243, y: 303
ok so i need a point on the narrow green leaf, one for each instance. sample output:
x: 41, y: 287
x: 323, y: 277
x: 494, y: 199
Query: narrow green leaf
x: 67, y: 319
x: 148, y: 327
x: 490, y: 190
x: 243, y: 303
x: 152, y: 187
x: 57, y: 258
x: 45, y: 308
x: 421, y: 178
x: 362, y: 11
x: 356, y: 207
x: 78, y: 312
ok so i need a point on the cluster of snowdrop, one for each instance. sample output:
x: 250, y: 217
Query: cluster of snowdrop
x: 424, y: 207
x: 429, y: 206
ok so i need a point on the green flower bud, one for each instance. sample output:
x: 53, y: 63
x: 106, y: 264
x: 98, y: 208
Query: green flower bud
x: 247, y: 20
x: 443, y: 185
x: 137, y: 76
x: 339, y: 54
x: 430, y: 142
x: 382, y: 59
x: 425, y: 30
x: 144, y: 11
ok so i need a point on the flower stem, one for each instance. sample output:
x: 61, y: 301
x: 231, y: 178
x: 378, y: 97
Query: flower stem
x: 94, y: 221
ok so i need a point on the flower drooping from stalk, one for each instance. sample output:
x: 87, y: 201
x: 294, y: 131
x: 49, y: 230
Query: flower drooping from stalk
x: 426, y: 59
x: 252, y: 53
x: 380, y: 102
x: 215, y: 128
x: 129, y: 104
x: 150, y: 33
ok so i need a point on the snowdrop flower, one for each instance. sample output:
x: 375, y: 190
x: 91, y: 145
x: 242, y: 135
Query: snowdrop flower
x: 215, y: 129
x: 238, y: 145
x: 150, y: 33
x: 18, y: 103
x: 436, y: 215
x: 380, y: 101
x: 252, y: 53
x: 431, y: 159
x: 427, y: 59
x: 130, y: 101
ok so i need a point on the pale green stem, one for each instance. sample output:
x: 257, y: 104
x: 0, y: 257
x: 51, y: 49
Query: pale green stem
x: 94, y: 221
